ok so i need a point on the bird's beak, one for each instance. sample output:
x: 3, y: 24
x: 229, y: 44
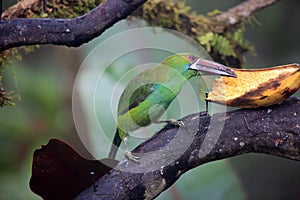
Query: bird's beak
x: 211, y: 67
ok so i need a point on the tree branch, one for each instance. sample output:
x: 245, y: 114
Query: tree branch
x: 69, y: 32
x: 243, y: 11
x: 74, y: 32
x: 173, y: 151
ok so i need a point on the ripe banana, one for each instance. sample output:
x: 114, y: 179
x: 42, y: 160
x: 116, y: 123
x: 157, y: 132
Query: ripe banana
x: 255, y: 88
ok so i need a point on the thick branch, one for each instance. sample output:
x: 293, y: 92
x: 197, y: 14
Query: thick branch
x: 69, y: 32
x: 173, y: 151
x: 76, y: 31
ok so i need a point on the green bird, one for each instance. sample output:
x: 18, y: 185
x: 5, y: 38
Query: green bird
x: 150, y: 93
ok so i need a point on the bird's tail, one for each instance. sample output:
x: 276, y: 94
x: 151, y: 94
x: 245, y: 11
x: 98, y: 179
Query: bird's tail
x: 115, y: 145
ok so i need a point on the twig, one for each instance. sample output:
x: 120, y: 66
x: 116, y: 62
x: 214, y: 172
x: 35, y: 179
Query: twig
x: 246, y: 122
x: 243, y: 11
x: 174, y: 151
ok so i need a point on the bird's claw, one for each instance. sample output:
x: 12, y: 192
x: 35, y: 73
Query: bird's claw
x: 130, y: 156
x: 176, y: 122
x: 173, y: 122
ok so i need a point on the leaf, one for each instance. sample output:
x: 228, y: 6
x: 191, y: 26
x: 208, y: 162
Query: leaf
x: 222, y: 45
x: 206, y: 40
x: 58, y: 172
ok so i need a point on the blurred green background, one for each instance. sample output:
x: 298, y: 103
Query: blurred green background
x: 44, y: 82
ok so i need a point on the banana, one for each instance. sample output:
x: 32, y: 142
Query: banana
x: 255, y: 88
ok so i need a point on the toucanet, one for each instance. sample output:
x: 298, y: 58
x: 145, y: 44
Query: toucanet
x: 148, y: 95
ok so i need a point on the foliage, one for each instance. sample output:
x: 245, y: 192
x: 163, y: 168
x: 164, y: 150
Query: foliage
x: 62, y: 8
x: 52, y: 9
x: 225, y: 44
x: 6, y: 57
x: 218, y: 42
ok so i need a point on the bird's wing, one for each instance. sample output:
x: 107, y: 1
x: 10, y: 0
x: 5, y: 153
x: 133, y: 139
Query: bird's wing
x: 140, y: 87
x: 133, y: 96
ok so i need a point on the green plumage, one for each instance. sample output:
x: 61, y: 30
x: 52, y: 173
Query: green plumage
x: 150, y: 93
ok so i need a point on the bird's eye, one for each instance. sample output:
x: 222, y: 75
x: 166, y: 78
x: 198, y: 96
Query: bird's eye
x: 191, y: 58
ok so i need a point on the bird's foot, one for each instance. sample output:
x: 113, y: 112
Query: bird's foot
x: 173, y: 122
x: 176, y: 122
x: 203, y: 114
x: 128, y: 154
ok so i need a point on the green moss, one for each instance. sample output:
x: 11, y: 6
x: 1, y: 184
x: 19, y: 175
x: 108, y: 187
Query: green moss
x: 52, y: 9
x: 62, y: 8
x: 224, y: 43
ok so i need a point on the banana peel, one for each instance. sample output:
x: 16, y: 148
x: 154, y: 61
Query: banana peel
x: 255, y: 88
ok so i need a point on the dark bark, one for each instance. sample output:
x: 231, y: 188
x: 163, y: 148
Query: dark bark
x: 70, y: 32
x: 173, y: 151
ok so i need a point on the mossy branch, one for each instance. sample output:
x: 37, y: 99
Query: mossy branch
x: 173, y: 151
x: 220, y: 33
x: 215, y: 32
x: 223, y: 39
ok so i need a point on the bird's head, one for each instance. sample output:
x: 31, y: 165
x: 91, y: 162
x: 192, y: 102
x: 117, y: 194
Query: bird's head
x: 191, y: 65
